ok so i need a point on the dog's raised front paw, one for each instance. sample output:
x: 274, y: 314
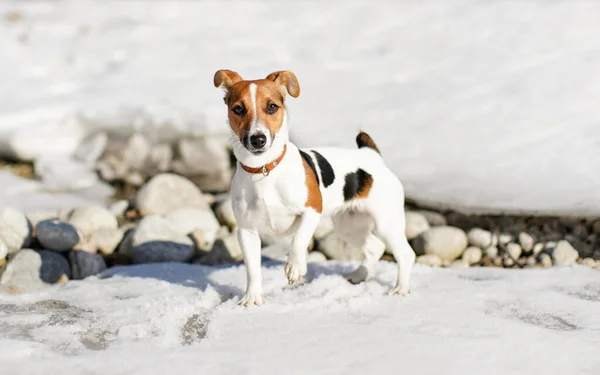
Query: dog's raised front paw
x: 399, y: 291
x: 252, y: 299
x: 294, y: 271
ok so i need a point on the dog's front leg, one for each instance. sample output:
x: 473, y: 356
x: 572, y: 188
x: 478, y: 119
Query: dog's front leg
x: 250, y: 244
x: 296, y: 267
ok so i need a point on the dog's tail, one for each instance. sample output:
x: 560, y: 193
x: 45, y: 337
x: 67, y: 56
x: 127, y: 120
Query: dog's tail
x: 364, y: 140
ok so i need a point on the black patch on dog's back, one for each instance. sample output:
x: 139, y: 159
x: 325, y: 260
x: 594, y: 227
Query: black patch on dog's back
x: 311, y: 164
x: 357, y: 184
x: 327, y: 174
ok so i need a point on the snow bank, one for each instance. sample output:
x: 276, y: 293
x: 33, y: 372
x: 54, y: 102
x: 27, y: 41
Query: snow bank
x: 478, y: 106
x: 181, y: 318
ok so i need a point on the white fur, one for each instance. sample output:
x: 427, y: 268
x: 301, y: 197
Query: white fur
x: 274, y: 205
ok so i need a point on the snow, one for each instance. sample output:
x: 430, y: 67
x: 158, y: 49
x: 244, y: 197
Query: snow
x: 181, y: 318
x: 478, y: 106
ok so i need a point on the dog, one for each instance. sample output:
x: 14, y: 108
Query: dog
x: 281, y: 190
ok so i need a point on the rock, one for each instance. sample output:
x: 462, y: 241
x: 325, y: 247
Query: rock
x: 107, y: 240
x: 118, y: 208
x: 224, y: 212
x: 15, y: 230
x: 31, y: 270
x: 588, y: 262
x: 37, y: 216
x: 491, y: 252
x: 564, y: 254
x: 89, y: 219
x: 87, y: 244
x: 188, y: 220
x: 498, y: 261
x: 156, y: 240
x: 3, y: 252
x: 276, y: 252
x: 459, y: 263
x: 430, y: 260
x: 545, y: 260
x: 167, y: 192
x: 514, y: 250
x: 316, y: 257
x: 226, y: 250
x: 446, y: 242
x: 91, y: 148
x: 530, y: 261
x: 136, y: 152
x: 537, y: 248
x: 504, y: 239
x: 481, y: 238
x: 63, y: 173
x: 415, y: 224
x: 84, y: 264
x: 507, y: 260
x: 526, y: 241
x: 57, y: 235
x: 335, y: 248
x: 598, y: 264
x: 159, y: 160
x: 433, y: 218
x: 472, y: 255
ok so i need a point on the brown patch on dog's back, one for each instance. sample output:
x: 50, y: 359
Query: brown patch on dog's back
x: 314, y: 198
x: 364, y: 140
x: 357, y: 185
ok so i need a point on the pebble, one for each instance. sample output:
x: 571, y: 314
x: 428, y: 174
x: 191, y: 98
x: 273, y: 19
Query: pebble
x: 37, y: 216
x: 514, y: 250
x: 90, y: 149
x: 434, y: 219
x: 564, y: 254
x: 160, y: 159
x: 335, y: 248
x: 188, y: 220
x: 504, y: 239
x: 316, y: 257
x: 537, y: 248
x: 57, y: 235
x: 430, y: 260
x: 507, y: 260
x: 87, y: 244
x: 459, y: 263
x: 156, y: 240
x: 545, y: 260
x: 588, y: 262
x: 472, y: 255
x: 530, y: 261
x: 481, y: 238
x: 84, y: 264
x: 136, y: 152
x: 89, y: 219
x: 107, y: 240
x: 3, y: 251
x: 491, y: 252
x: 446, y: 242
x: 15, y: 230
x: 224, y: 212
x: 31, y: 270
x: 415, y: 224
x: 224, y: 251
x: 119, y: 207
x: 526, y: 241
x: 167, y: 192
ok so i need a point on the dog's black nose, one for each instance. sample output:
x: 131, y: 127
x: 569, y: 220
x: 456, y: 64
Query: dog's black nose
x: 258, y: 141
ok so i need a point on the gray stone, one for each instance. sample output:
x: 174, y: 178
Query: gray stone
x: 564, y: 254
x: 316, y: 257
x: 526, y: 241
x: 15, y: 230
x: 433, y: 218
x: 84, y: 264
x: 167, y: 192
x: 415, y: 224
x: 472, y: 255
x: 32, y: 270
x: 57, y: 235
x: 89, y: 219
x: 446, y: 242
x: 107, y: 240
x: 430, y: 260
x: 481, y: 238
x: 156, y: 240
x: 514, y: 250
x: 188, y: 220
x: 226, y: 250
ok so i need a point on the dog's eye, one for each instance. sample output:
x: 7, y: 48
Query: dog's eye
x: 238, y: 110
x: 272, y: 108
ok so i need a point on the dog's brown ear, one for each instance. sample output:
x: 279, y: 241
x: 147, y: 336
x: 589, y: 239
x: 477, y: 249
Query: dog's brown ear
x: 226, y: 78
x: 287, y: 80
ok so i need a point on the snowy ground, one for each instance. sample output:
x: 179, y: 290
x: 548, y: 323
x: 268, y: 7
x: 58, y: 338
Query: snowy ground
x: 180, y: 318
x: 486, y: 106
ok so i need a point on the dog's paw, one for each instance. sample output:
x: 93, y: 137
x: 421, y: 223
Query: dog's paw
x: 252, y: 299
x: 294, y: 271
x: 399, y: 291
x: 358, y: 276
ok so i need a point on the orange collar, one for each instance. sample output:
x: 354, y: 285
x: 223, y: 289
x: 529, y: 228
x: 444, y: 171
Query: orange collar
x: 267, y: 168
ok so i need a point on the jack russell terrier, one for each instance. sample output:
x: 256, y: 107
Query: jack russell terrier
x: 281, y: 190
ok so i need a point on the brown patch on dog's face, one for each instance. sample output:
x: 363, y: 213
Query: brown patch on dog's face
x: 314, y: 199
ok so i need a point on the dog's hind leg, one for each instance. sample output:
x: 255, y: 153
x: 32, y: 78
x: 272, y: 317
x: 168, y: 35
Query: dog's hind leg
x: 396, y: 240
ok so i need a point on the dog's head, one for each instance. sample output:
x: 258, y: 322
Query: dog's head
x: 256, y: 109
